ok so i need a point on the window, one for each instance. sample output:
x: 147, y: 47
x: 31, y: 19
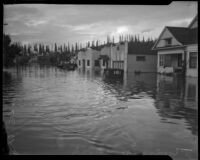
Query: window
x: 88, y: 62
x: 96, y: 63
x: 104, y: 62
x: 179, y: 60
x: 118, y: 48
x: 168, y: 41
x: 161, y: 60
x: 118, y: 64
x: 140, y: 58
x: 193, y: 60
x: 167, y: 62
x: 79, y: 62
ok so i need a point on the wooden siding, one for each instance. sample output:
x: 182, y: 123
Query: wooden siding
x: 149, y: 65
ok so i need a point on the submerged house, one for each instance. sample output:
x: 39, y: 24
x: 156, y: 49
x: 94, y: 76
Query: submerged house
x: 141, y: 58
x: 105, y: 56
x: 88, y: 58
x: 126, y: 56
x: 177, y: 49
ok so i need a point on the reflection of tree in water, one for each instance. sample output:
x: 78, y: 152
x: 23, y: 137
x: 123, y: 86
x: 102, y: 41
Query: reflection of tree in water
x: 171, y: 104
x: 10, y: 86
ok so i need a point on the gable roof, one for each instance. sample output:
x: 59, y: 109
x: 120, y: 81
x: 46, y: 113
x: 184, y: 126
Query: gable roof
x: 184, y: 35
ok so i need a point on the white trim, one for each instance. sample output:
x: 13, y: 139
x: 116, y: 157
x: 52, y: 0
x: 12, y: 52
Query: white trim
x: 158, y: 38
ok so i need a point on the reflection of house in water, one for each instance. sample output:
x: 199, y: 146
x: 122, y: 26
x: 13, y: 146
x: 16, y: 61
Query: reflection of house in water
x: 177, y: 99
x: 144, y: 82
x: 90, y: 73
x: 192, y: 89
x: 133, y: 86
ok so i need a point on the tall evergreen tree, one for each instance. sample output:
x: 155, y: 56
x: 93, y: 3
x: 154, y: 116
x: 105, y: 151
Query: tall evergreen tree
x: 76, y: 47
x: 92, y: 43
x: 55, y: 48
x: 47, y: 49
x: 35, y: 48
x: 97, y: 44
x: 40, y: 49
x: 29, y: 49
x: 25, y: 50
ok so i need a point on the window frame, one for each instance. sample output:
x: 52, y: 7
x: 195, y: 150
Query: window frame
x: 161, y: 60
x: 193, y: 58
x: 168, y: 41
x: 138, y: 58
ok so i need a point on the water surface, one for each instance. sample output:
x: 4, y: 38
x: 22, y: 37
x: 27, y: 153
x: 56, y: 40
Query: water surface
x: 52, y: 111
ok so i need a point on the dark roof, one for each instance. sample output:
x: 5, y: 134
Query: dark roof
x: 105, y: 57
x: 98, y: 48
x: 141, y: 48
x: 184, y: 35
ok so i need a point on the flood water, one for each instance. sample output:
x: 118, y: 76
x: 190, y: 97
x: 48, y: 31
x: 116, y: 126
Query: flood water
x: 51, y: 111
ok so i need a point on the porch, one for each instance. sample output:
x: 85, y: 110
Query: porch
x: 170, y: 63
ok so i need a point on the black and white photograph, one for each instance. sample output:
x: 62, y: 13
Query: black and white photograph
x: 100, y: 79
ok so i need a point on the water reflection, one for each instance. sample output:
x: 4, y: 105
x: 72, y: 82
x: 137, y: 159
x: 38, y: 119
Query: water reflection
x: 83, y: 112
x: 172, y: 100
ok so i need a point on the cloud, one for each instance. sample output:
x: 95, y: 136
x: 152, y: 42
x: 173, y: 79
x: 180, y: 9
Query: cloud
x: 180, y: 22
x: 80, y: 23
x: 35, y: 22
x: 147, y: 30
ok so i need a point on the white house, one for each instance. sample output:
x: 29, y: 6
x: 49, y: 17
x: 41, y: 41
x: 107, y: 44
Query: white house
x: 177, y: 49
x: 119, y: 52
x: 88, y: 58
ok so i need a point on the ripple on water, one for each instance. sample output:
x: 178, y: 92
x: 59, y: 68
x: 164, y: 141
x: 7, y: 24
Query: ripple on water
x: 85, y: 113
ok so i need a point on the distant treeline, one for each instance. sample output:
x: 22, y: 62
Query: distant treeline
x: 18, y: 54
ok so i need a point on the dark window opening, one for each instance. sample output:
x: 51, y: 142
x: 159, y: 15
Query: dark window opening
x: 88, y: 62
x: 79, y: 62
x: 96, y: 63
x: 167, y: 61
x: 140, y: 58
x: 104, y: 62
x: 161, y: 60
x: 193, y: 60
x: 168, y: 41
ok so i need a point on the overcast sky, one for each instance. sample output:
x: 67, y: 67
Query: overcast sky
x: 30, y: 23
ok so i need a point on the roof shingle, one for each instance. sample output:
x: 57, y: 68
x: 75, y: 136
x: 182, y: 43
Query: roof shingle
x: 185, y: 35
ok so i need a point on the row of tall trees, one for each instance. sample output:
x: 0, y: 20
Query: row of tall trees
x: 41, y: 49
x: 66, y: 51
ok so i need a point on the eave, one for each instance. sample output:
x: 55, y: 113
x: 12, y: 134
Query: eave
x: 166, y: 48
